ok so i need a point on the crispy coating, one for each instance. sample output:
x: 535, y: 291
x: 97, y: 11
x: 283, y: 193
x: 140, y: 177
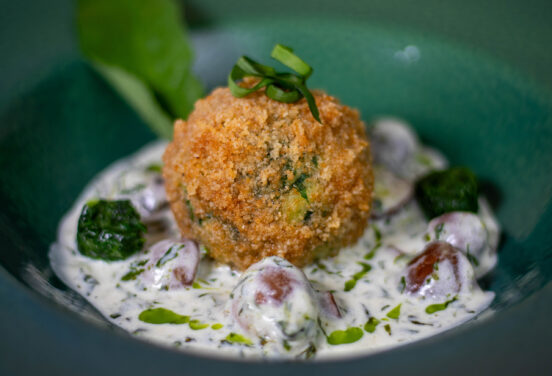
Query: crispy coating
x: 252, y: 177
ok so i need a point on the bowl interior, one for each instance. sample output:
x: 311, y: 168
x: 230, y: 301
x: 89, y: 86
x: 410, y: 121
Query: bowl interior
x: 480, y: 113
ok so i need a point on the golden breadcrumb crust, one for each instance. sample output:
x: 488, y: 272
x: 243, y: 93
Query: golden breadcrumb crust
x: 252, y: 177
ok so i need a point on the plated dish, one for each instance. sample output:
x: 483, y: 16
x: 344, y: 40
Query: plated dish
x: 262, y: 247
x: 489, y: 116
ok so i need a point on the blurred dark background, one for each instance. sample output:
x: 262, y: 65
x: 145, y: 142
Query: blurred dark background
x: 517, y: 32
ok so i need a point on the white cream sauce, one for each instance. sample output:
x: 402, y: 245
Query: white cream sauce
x: 387, y: 246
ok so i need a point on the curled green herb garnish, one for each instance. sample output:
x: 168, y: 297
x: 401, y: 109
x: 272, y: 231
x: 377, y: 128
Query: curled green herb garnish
x: 282, y: 87
x: 286, y: 56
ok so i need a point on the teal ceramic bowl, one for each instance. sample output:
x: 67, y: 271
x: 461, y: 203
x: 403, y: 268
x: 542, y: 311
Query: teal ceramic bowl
x: 60, y: 124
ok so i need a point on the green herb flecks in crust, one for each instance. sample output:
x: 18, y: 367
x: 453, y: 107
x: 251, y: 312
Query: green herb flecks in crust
x: 280, y: 86
x: 299, y: 184
x: 109, y: 230
x: 141, y: 48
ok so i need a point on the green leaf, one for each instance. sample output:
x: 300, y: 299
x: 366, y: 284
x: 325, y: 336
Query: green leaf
x: 162, y: 316
x: 139, y: 97
x: 340, y: 337
x: 142, y: 44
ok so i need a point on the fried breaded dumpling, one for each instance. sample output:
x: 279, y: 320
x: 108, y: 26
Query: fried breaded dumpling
x: 252, y: 177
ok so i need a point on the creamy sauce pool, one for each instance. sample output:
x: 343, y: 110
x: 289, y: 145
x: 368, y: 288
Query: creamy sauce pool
x: 367, y: 280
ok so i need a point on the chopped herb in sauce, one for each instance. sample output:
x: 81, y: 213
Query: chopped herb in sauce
x: 395, y: 312
x: 168, y: 256
x: 197, y: 325
x: 371, y: 324
x: 135, y: 270
x: 238, y: 338
x: 370, y: 255
x: 196, y: 285
x: 473, y: 260
x: 439, y: 307
x: 402, y: 285
x: 341, y: 337
x: 438, y: 230
x: 155, y: 167
x: 350, y: 284
x: 162, y: 316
